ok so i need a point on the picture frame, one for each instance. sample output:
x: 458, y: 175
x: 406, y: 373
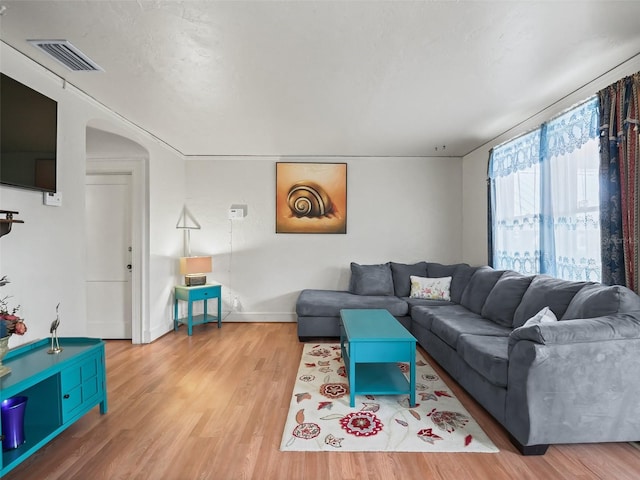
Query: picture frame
x: 311, y: 197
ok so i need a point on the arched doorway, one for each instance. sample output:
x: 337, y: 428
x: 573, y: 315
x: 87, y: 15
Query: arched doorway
x: 116, y: 199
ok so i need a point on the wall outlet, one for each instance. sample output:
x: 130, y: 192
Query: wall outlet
x: 52, y: 199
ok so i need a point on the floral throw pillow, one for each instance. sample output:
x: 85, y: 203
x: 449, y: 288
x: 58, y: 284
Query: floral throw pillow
x: 431, y: 288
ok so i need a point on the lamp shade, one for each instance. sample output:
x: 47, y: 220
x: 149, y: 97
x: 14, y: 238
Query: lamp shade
x: 195, y: 265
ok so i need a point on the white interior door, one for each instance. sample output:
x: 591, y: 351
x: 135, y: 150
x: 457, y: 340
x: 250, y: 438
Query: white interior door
x: 108, y: 240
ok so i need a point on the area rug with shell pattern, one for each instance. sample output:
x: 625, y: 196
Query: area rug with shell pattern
x: 320, y: 418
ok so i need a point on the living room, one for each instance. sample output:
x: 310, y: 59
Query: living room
x: 401, y: 207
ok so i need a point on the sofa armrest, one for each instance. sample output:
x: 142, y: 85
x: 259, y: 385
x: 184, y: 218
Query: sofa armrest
x: 609, y: 327
x: 568, y: 379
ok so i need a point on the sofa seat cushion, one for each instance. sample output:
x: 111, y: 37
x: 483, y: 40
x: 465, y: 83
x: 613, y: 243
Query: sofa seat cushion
x: 450, y: 324
x: 426, y: 302
x: 486, y: 355
x: 421, y: 313
x: 545, y: 291
x: 328, y: 303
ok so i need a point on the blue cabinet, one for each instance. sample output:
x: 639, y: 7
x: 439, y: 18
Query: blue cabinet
x: 60, y: 389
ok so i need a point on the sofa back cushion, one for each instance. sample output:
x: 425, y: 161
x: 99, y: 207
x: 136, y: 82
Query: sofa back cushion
x: 597, y: 300
x: 477, y: 290
x: 371, y: 279
x: 505, y: 297
x: 401, y: 273
x: 460, y: 274
x: 546, y: 291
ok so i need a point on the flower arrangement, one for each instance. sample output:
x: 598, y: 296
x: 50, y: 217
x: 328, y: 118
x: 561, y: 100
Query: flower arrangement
x: 10, y: 322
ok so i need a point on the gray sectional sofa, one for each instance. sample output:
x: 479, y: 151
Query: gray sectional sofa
x: 574, y: 380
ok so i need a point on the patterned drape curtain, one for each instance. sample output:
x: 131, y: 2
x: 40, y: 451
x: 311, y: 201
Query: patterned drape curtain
x: 544, y: 198
x: 619, y: 200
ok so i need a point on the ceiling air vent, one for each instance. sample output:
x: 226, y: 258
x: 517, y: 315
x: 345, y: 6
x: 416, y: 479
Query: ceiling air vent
x: 68, y: 55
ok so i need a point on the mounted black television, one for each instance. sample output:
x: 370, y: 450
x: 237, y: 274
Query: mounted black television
x: 28, y: 137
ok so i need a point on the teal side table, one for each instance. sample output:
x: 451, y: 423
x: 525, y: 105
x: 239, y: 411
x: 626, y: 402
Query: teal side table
x: 194, y: 294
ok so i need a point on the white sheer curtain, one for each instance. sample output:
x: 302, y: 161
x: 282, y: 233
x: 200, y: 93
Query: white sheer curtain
x: 516, y: 204
x: 545, y: 198
x: 576, y: 215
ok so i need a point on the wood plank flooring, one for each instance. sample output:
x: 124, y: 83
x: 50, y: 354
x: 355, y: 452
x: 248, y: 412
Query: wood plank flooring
x: 213, y: 406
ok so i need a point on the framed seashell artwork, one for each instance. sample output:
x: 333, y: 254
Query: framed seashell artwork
x: 311, y: 197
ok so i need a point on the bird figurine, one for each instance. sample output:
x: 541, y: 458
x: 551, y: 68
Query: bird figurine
x: 55, y: 343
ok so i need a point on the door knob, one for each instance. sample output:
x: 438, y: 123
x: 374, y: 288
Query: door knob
x: 129, y: 267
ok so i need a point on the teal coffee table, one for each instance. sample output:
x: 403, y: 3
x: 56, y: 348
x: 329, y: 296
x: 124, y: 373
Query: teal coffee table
x: 372, y: 343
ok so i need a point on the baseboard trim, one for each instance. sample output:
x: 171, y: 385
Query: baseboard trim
x: 259, y: 317
x: 233, y: 317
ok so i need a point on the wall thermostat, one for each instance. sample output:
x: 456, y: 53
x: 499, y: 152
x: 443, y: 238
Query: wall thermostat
x: 52, y: 199
x: 237, y: 211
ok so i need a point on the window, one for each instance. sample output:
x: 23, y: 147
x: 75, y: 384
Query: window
x: 545, y: 198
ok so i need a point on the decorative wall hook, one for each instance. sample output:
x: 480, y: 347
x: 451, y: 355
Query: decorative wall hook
x: 7, y: 222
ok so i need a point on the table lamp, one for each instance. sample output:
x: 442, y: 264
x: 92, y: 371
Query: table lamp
x: 194, y: 270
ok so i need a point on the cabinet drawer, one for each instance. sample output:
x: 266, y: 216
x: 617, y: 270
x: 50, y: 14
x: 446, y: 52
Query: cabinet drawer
x: 204, y: 293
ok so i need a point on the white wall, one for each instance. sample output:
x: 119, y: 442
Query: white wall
x: 45, y: 256
x: 474, y: 165
x: 399, y: 209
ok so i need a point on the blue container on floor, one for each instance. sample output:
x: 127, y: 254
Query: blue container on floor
x: 12, y: 417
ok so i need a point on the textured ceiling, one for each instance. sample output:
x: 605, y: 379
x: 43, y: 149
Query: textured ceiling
x: 329, y: 78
